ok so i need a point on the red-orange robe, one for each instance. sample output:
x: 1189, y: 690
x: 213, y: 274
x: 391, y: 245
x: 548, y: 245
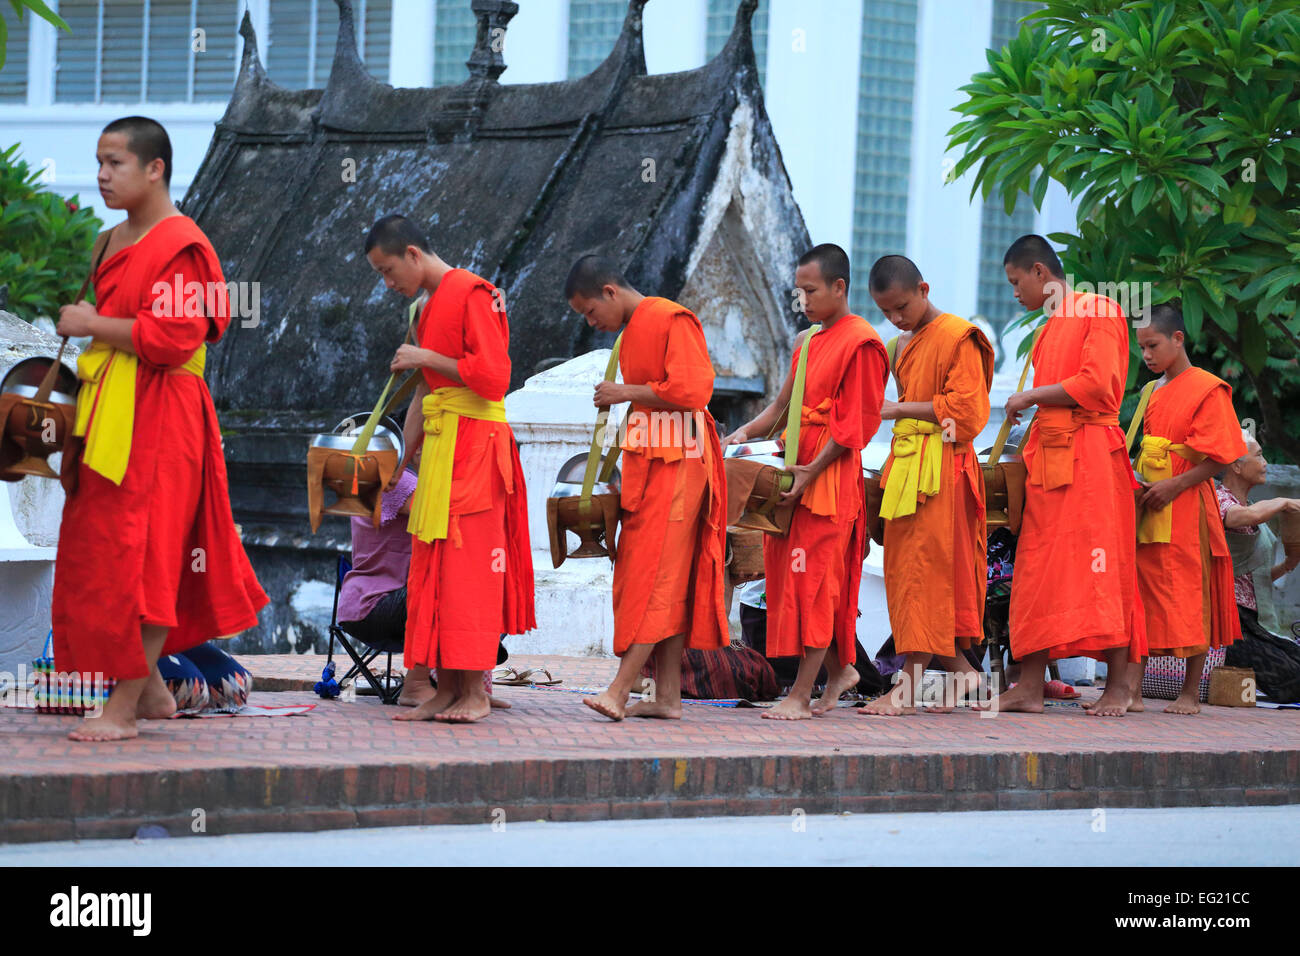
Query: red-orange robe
x: 813, y: 572
x: 465, y: 590
x: 161, y: 548
x: 936, y: 566
x: 1074, y: 588
x: 668, y: 573
x: 1186, y: 584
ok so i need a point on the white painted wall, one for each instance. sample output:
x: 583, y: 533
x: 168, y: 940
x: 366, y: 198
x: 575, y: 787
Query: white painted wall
x: 943, y: 223
x: 813, y: 105
x: 674, y: 35
x: 537, y: 43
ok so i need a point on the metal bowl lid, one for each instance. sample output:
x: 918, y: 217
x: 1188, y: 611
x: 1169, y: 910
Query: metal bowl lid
x: 29, y: 391
x: 570, y: 489
x: 31, y: 371
x: 381, y: 440
x: 751, y: 449
x: 574, y: 471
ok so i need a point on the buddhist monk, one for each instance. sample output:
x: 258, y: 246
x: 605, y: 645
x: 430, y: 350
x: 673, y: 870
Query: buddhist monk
x: 1190, y: 433
x: 668, y: 569
x: 1074, y: 591
x: 813, y: 572
x: 935, y: 532
x: 149, y: 561
x: 471, y: 576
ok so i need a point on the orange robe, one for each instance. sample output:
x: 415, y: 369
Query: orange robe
x: 465, y: 590
x: 1074, y: 589
x: 668, y: 575
x: 936, y: 569
x: 1186, y: 584
x: 813, y: 572
x: 161, y: 547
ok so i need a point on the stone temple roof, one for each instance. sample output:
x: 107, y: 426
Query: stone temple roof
x: 511, y: 181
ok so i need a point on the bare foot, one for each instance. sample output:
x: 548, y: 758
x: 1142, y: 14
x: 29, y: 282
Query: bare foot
x: 656, y: 708
x: 789, y: 709
x: 1185, y: 704
x: 415, y: 693
x: 465, y: 710
x: 891, y: 705
x: 836, y: 685
x: 607, y: 704
x: 430, y: 708
x: 104, y: 728
x: 1015, y: 700
x: 156, y: 701
x: 1114, y: 702
x: 499, y: 704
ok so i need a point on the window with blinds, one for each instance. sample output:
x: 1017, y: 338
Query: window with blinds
x: 886, y: 83
x: 454, y: 30
x: 998, y: 230
x: 13, y: 78
x: 594, y: 26
x: 133, y: 51
x: 722, y: 17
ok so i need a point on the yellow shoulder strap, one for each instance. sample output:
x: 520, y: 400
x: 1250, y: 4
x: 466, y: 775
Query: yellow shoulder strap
x: 1137, y: 416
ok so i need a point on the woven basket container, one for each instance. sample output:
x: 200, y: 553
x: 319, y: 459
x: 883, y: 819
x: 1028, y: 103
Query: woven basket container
x: 1291, y: 533
x: 746, y: 555
x: 1232, y: 687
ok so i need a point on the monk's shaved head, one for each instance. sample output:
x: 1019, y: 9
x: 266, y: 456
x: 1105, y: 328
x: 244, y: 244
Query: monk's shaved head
x: 591, y: 274
x: 832, y: 260
x: 1027, y: 250
x: 146, y: 139
x: 393, y: 234
x: 1166, y: 320
x: 891, y: 271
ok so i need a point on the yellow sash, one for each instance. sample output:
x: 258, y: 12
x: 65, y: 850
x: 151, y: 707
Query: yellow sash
x: 1154, y: 464
x: 443, y: 409
x: 915, y: 469
x: 106, y: 405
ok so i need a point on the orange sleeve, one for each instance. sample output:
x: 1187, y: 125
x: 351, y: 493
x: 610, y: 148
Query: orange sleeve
x: 690, y: 373
x: 1215, y: 431
x: 964, y: 397
x: 486, y: 365
x: 173, y: 323
x: 1098, y: 386
x: 855, y: 406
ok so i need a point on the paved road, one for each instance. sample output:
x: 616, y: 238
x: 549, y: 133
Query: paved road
x: 1187, y: 836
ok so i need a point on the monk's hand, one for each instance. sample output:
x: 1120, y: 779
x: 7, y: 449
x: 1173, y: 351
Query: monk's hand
x: 1161, y: 493
x: 802, y: 475
x: 409, y: 356
x: 738, y: 437
x: 889, y: 410
x: 75, y: 320
x: 1017, y: 403
x: 607, y: 394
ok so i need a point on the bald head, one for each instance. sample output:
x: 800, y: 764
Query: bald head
x: 894, y: 271
x: 147, y: 140
x: 1166, y: 320
x: 393, y: 234
x: 1031, y: 249
x: 590, y: 274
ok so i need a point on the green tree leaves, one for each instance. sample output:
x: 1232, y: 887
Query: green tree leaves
x: 1175, y: 125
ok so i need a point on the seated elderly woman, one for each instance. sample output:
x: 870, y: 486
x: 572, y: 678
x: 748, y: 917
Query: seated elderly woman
x: 1253, y: 547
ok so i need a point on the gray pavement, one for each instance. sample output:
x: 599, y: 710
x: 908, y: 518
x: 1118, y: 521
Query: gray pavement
x: 1198, y: 836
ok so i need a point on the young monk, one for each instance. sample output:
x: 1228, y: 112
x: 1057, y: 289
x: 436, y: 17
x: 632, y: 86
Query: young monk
x: 1190, y: 433
x: 813, y: 572
x: 935, y: 525
x: 1074, y: 591
x: 149, y: 561
x: 668, y: 570
x: 471, y: 576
